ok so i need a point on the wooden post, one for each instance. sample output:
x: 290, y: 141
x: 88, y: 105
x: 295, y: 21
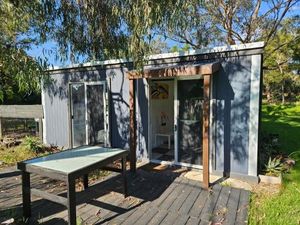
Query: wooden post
x: 41, y: 129
x: 205, y: 132
x: 0, y: 129
x: 132, y: 126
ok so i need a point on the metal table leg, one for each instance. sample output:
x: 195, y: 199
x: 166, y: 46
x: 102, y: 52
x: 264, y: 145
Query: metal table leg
x: 26, y: 194
x: 71, y: 201
x: 124, y: 175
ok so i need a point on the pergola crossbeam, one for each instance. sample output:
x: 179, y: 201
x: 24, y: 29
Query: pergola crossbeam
x: 175, y: 71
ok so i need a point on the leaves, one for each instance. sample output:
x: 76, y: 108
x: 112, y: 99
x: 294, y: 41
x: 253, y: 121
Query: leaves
x: 274, y: 167
x: 20, y: 74
x: 282, y: 62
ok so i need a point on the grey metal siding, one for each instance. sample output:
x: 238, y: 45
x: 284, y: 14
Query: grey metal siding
x: 119, y: 108
x: 56, y: 112
x: 232, y: 86
x: 56, y: 107
x: 142, y: 118
x: 231, y: 108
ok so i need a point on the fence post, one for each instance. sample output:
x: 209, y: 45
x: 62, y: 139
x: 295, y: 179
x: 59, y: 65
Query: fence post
x: 41, y: 129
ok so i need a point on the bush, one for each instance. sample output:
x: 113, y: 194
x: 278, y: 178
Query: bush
x: 34, y: 144
x: 269, y: 147
x: 274, y: 167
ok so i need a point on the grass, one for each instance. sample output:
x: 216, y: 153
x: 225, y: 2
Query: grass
x: 10, y: 156
x: 284, y: 207
x: 30, y: 147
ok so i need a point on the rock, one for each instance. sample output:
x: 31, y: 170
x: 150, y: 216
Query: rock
x: 9, y: 221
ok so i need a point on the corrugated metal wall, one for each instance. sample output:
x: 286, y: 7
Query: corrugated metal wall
x: 231, y: 87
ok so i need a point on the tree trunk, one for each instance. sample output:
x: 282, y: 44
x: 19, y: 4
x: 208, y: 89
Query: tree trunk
x: 282, y: 93
x: 268, y: 93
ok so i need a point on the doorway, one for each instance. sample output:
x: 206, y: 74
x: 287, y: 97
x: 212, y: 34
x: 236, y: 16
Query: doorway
x: 175, y: 111
x: 89, y: 114
x: 162, y: 120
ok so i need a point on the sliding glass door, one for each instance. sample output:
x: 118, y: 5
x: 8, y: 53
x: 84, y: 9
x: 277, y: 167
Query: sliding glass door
x: 189, y: 121
x: 96, y: 114
x: 78, y: 114
x: 89, y: 116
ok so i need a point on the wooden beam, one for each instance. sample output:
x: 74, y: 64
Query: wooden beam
x: 175, y: 71
x: 49, y: 196
x: 205, y: 131
x: 132, y: 125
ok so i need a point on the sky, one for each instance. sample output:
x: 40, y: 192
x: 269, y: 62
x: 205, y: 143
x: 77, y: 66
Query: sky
x: 46, y: 50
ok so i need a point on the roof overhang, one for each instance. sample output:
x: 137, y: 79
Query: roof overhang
x: 176, y: 71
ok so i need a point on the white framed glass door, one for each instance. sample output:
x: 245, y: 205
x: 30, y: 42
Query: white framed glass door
x: 188, y: 121
x: 89, y: 113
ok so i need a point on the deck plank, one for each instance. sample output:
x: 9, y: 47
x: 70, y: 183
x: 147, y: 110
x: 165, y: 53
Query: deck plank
x: 193, y: 221
x: 221, y: 209
x: 189, y: 201
x: 154, y: 198
x: 232, y: 206
x: 199, y: 204
x: 170, y: 189
x: 136, y: 215
x: 145, y: 219
x: 170, y: 218
x: 207, y: 212
x: 158, y: 218
x: 242, y: 212
x: 165, y: 205
x: 182, y: 196
x: 182, y: 220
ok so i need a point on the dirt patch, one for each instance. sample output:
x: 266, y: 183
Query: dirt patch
x: 256, y: 188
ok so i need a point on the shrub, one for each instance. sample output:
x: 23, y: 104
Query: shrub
x: 269, y: 147
x: 33, y: 143
x: 274, y: 167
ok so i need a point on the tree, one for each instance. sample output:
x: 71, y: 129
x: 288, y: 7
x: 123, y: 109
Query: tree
x: 110, y: 28
x: 229, y: 22
x: 282, y: 62
x: 20, y: 74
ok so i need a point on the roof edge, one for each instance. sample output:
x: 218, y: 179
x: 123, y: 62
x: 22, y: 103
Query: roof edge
x: 226, y: 48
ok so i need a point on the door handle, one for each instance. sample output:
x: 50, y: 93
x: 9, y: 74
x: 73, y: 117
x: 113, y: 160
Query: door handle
x: 175, y: 127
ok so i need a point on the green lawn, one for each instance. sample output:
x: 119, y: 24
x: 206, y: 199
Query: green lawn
x: 282, y: 208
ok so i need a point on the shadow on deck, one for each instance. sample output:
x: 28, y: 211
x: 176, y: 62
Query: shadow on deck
x: 155, y: 197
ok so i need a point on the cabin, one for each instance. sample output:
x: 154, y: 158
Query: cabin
x: 198, y: 109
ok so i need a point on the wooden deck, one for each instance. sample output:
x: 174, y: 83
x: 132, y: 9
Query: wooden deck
x: 154, y: 198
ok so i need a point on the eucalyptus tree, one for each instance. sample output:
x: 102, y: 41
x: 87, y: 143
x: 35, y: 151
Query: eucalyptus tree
x: 282, y: 63
x: 230, y: 21
x: 20, y: 74
x: 111, y: 28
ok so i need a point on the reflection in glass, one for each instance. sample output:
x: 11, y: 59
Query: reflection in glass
x: 190, y: 97
x: 95, y: 113
x: 78, y: 114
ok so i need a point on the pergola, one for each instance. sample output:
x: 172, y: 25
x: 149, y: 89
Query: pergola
x: 206, y: 70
